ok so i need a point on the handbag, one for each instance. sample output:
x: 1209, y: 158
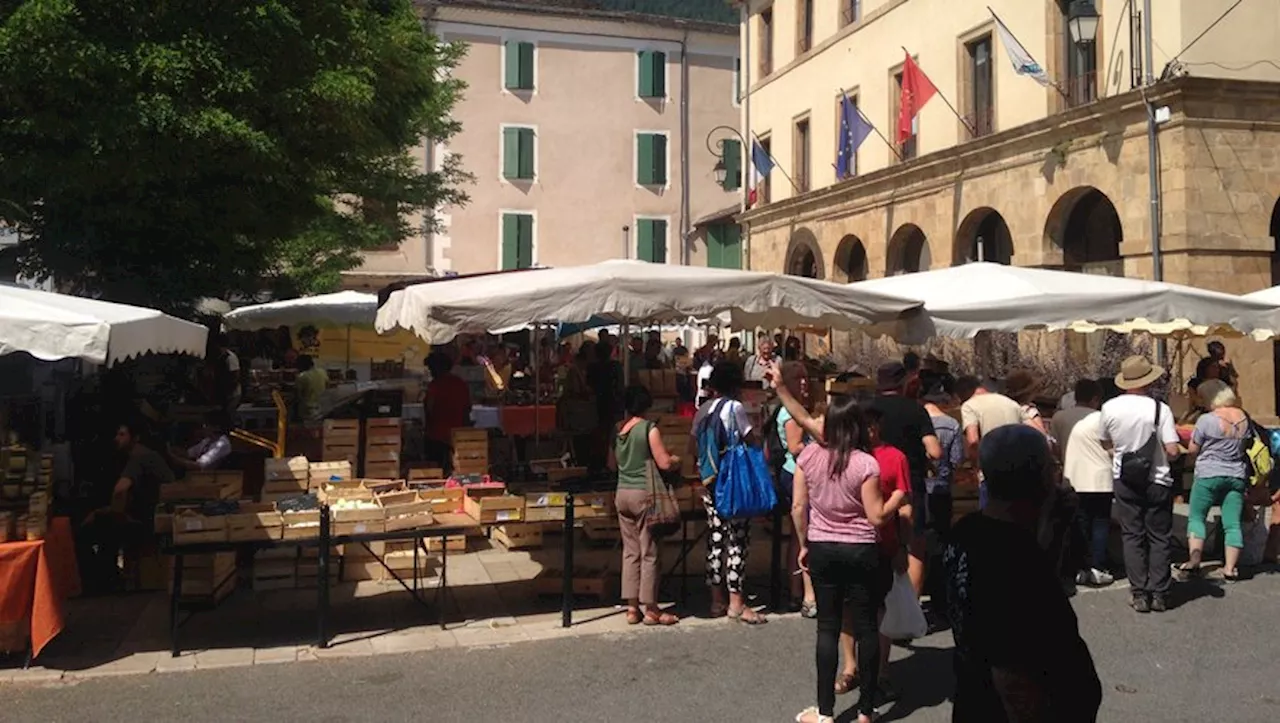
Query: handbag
x: 744, y: 485
x: 1137, y: 468
x: 662, y: 510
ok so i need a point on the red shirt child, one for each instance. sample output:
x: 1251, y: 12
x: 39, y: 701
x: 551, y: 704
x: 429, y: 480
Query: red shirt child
x: 895, y: 476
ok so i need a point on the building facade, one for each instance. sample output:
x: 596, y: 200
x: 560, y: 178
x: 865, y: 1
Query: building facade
x: 1000, y: 167
x: 591, y: 134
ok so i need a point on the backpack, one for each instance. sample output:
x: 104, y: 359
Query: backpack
x: 775, y: 447
x: 712, y: 438
x: 1257, y: 456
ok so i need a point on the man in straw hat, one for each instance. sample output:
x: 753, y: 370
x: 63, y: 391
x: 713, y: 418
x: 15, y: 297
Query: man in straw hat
x: 1141, y: 431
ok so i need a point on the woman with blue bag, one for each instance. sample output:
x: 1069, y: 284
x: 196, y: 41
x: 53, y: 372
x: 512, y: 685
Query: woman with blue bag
x: 725, y: 441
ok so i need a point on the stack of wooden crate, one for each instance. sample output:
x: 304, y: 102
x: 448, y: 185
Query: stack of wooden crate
x: 322, y: 473
x: 341, y: 441
x: 382, y: 447
x: 676, y: 431
x: 470, y: 451
x: 285, y: 478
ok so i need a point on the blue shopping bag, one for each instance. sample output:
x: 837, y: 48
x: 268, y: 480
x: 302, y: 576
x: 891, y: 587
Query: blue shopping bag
x: 744, y: 484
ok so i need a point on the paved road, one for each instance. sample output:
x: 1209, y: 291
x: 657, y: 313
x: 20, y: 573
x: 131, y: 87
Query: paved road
x: 1213, y: 658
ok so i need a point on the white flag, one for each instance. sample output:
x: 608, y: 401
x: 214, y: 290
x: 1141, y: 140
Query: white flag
x: 1023, y: 63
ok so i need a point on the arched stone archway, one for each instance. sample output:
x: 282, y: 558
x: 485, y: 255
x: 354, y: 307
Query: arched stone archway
x: 1084, y: 224
x: 983, y: 236
x: 908, y: 251
x: 850, y: 263
x: 804, y: 256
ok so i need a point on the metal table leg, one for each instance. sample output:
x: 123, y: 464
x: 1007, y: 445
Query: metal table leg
x: 566, y: 588
x: 322, y: 595
x: 175, y: 599
x: 442, y: 592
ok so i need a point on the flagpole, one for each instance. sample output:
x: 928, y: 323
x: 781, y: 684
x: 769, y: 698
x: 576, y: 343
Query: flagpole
x: 872, y: 126
x: 1052, y: 84
x: 966, y: 123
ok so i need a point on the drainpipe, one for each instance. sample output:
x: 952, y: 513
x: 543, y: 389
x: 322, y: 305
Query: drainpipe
x: 748, y: 165
x: 1153, y: 160
x: 686, y: 241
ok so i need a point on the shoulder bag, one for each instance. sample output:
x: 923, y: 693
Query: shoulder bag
x: 1137, y: 468
x: 662, y: 515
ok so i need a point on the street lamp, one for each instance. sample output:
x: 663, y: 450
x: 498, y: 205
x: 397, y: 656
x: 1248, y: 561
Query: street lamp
x: 720, y: 170
x: 1082, y: 19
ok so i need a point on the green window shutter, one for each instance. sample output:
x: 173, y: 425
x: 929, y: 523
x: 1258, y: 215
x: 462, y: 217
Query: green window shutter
x: 653, y: 74
x: 737, y: 79
x: 644, y: 159
x: 524, y: 226
x: 511, y: 153
x: 651, y: 240
x: 732, y: 165
x: 659, y: 160
x: 519, y: 65
x: 510, y: 241
x: 526, y: 152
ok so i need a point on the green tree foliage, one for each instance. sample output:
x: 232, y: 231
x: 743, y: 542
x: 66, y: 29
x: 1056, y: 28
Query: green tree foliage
x: 158, y: 151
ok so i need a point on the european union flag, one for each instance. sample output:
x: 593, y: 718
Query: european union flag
x: 854, y: 129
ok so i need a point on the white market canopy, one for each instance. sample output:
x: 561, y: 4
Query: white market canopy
x: 1266, y: 296
x: 961, y: 301
x: 631, y: 292
x: 57, y: 326
x: 341, y: 309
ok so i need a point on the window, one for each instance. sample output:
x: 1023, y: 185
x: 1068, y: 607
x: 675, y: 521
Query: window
x: 981, y: 87
x: 384, y: 217
x: 766, y: 42
x: 766, y: 183
x: 852, y: 12
x: 1081, y: 64
x: 724, y: 246
x: 800, y: 154
x: 732, y: 149
x: 651, y: 240
x: 653, y: 74
x: 908, y: 148
x: 519, y: 65
x: 651, y: 159
x: 517, y: 241
x: 804, y: 29
x: 518, y: 154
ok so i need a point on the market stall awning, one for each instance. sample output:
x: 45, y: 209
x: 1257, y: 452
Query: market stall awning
x: 340, y: 309
x: 631, y: 292
x: 962, y: 301
x: 57, y: 326
x: 1266, y: 296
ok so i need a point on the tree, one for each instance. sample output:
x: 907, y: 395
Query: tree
x: 158, y: 151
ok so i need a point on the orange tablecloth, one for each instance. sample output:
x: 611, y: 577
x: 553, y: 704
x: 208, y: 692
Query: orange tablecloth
x: 35, y: 579
x: 518, y: 421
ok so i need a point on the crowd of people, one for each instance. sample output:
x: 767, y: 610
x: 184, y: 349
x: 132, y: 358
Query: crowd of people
x: 869, y: 488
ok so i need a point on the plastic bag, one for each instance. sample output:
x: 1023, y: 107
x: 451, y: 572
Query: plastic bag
x: 744, y: 486
x: 903, y: 617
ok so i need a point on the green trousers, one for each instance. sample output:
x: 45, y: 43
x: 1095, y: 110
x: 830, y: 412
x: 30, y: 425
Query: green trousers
x: 1225, y: 491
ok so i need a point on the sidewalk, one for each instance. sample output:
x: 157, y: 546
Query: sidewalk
x: 491, y: 601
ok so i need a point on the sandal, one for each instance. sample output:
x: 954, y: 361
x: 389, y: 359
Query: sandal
x: 809, y: 609
x: 719, y: 611
x: 660, y: 619
x: 1231, y: 577
x: 1187, y: 568
x: 634, y: 617
x: 817, y: 717
x: 846, y: 683
x: 741, y: 617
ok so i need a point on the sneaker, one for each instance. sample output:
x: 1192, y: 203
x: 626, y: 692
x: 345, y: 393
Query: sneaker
x: 1082, y: 577
x: 1159, y: 604
x: 1141, y: 604
x: 1098, y: 578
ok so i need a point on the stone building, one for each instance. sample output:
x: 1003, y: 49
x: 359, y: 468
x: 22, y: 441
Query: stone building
x: 1035, y: 176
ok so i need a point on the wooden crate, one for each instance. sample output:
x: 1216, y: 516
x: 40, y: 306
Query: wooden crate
x: 343, y: 452
x: 341, y: 431
x: 202, y: 486
x: 190, y: 527
x: 468, y: 434
x: 601, y: 584
x: 255, y: 521
x: 445, y: 500
x: 456, y: 543
x: 595, y: 505
x: 544, y: 506
x: 556, y: 475
x: 495, y: 509
x: 519, y: 536
x: 301, y: 525
x: 601, y: 530
x: 386, y: 470
x: 426, y: 473
x: 405, y: 510
x: 320, y: 473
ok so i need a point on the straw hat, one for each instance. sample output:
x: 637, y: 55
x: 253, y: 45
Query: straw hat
x: 1137, y: 372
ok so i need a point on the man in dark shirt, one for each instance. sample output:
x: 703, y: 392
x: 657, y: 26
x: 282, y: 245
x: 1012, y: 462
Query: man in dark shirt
x: 1019, y: 657
x: 905, y: 424
x: 129, y: 518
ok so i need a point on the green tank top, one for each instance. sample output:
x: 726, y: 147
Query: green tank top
x: 632, y: 452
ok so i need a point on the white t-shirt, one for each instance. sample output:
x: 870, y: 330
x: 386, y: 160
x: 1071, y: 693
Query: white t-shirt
x: 732, y: 411
x: 1127, y: 423
x: 704, y: 375
x: 1087, y: 466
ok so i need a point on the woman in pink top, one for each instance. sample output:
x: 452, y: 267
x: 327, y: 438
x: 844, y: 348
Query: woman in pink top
x: 839, y: 483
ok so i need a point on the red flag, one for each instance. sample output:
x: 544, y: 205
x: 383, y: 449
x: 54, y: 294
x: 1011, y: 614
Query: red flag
x: 917, y: 89
x: 751, y: 198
